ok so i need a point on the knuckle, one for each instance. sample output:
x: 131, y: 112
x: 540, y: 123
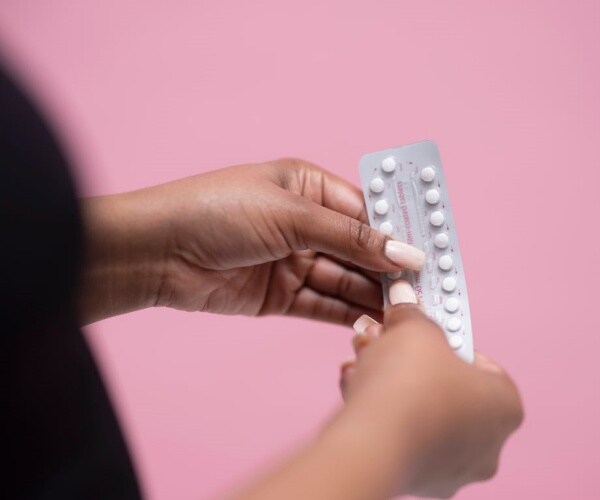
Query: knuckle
x: 488, y: 471
x: 295, y: 173
x: 364, y: 237
x: 448, y: 494
x: 442, y: 492
x: 363, y: 216
x: 344, y: 285
x: 282, y: 172
x: 514, y: 413
x: 517, y: 416
x: 292, y: 163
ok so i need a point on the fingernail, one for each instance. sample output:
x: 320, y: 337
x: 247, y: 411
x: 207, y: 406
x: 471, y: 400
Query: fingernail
x: 404, y: 255
x: 402, y: 293
x: 362, y: 323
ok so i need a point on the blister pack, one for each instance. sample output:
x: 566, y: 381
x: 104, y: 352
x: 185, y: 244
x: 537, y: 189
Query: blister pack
x: 407, y: 198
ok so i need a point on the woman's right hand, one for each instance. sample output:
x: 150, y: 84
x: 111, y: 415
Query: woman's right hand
x: 441, y: 421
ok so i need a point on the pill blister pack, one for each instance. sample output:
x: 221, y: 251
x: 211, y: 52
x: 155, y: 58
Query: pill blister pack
x: 406, y: 197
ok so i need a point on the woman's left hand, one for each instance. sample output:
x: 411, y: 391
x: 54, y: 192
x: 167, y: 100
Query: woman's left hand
x: 284, y: 237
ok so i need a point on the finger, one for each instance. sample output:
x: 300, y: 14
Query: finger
x: 333, y: 233
x: 503, y: 394
x: 347, y: 370
x: 362, y: 323
x: 343, y: 197
x: 374, y: 331
x: 506, y: 388
x: 404, y: 314
x: 504, y: 397
x: 401, y: 292
x: 310, y: 304
x: 364, y: 339
x: 330, y: 278
x: 331, y: 191
x: 372, y: 275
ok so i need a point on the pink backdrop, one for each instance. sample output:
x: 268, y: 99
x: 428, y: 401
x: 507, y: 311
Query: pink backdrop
x: 150, y: 91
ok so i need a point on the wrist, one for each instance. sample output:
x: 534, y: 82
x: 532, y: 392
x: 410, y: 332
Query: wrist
x: 123, y: 257
x: 373, y: 450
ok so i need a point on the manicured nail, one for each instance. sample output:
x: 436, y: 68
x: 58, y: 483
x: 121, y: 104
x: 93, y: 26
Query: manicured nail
x: 402, y: 293
x: 362, y: 323
x: 404, y: 255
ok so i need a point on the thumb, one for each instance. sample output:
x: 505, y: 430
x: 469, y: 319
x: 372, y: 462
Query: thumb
x: 405, y: 316
x: 330, y: 232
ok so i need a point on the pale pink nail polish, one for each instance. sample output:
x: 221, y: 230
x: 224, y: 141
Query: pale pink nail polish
x: 362, y: 323
x: 404, y: 255
x: 402, y: 293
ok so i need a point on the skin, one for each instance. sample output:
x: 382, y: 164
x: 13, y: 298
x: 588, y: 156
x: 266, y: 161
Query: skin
x: 288, y: 237
x: 417, y: 420
x: 284, y: 237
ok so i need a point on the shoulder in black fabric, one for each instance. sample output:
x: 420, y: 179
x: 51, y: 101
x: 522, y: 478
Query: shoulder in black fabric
x: 60, y: 435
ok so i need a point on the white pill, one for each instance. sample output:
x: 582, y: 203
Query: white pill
x: 395, y: 276
x: 382, y: 207
x: 453, y: 324
x: 436, y: 218
x: 428, y: 174
x: 377, y: 185
x: 441, y: 240
x: 455, y: 341
x: 446, y: 262
x: 451, y: 304
x: 449, y: 284
x: 386, y: 227
x: 388, y: 164
x: 432, y: 196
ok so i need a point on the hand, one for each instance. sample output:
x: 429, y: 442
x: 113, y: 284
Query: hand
x: 284, y: 237
x: 444, y: 420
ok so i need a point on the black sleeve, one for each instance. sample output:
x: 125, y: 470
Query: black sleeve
x: 60, y: 436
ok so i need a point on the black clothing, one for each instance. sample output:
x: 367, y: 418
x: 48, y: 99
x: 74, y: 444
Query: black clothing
x: 60, y: 436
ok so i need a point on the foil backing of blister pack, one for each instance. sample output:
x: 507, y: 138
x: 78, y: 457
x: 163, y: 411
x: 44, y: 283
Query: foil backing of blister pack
x: 406, y: 197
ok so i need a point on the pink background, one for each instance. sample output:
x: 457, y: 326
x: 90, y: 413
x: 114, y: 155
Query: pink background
x: 150, y: 91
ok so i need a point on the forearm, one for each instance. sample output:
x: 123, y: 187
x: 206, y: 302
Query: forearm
x: 348, y: 461
x: 122, y: 257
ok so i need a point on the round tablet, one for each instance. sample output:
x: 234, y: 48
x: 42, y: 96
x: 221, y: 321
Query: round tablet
x: 449, y: 284
x: 455, y: 341
x: 382, y: 207
x: 388, y: 164
x: 446, y: 262
x: 428, y: 174
x: 451, y: 304
x: 441, y: 240
x: 437, y: 218
x: 432, y: 196
x: 395, y: 276
x: 453, y: 324
x: 377, y: 185
x: 386, y: 227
